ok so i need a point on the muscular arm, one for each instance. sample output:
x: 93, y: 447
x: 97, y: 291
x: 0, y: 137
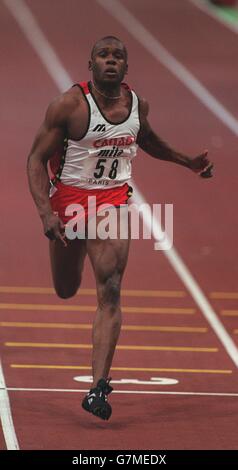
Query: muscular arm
x: 48, y: 140
x: 151, y: 143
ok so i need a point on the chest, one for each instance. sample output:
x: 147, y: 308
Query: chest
x: 97, y: 115
x: 115, y: 113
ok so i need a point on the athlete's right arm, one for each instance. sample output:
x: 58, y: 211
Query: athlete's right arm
x: 48, y: 140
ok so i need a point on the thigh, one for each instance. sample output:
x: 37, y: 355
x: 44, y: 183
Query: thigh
x: 109, y: 257
x: 67, y: 262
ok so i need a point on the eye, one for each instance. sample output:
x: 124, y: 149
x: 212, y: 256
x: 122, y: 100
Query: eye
x: 119, y: 55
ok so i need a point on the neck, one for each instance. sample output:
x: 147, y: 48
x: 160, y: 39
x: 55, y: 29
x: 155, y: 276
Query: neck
x: 110, y: 93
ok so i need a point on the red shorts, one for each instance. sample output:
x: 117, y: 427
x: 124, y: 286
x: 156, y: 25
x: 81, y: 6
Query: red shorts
x: 66, y: 195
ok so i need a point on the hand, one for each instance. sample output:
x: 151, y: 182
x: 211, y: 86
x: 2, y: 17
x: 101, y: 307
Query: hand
x: 201, y: 165
x: 54, y: 228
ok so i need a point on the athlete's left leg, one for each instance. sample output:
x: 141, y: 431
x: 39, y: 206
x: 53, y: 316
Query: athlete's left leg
x: 108, y: 258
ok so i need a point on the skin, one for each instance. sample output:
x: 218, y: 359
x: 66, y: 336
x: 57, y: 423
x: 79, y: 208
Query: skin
x: 67, y: 116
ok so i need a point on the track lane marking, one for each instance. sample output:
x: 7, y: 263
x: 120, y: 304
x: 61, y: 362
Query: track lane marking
x: 142, y: 35
x: 9, y: 432
x: 128, y: 21
x: 27, y: 22
x: 229, y: 313
x: 92, y: 308
x: 119, y: 347
x: 147, y: 392
x: 224, y: 295
x: 38, y: 41
x: 88, y: 326
x: 124, y: 292
x: 138, y: 369
x: 46, y: 45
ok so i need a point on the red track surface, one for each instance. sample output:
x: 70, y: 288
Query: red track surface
x: 205, y: 227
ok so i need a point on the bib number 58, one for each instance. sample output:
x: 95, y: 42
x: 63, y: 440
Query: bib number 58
x: 101, y: 167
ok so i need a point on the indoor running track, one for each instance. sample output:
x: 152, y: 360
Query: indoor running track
x: 184, y: 394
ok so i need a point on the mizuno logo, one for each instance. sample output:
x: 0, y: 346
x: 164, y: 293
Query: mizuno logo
x: 99, y: 128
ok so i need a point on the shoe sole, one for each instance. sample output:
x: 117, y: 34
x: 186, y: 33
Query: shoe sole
x: 100, y: 412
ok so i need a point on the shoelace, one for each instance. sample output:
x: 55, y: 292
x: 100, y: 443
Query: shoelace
x: 104, y: 389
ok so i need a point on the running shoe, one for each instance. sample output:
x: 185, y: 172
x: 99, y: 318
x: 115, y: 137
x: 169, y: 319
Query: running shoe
x: 95, y: 401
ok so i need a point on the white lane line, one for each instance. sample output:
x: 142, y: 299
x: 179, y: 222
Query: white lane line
x: 161, y: 54
x: 131, y: 392
x: 6, y: 416
x: 29, y: 26
x: 158, y: 51
x: 188, y: 280
x: 214, y: 12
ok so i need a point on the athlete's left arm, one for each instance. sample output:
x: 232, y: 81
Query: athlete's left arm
x: 151, y: 143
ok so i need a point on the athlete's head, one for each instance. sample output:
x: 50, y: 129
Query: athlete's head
x: 108, y: 61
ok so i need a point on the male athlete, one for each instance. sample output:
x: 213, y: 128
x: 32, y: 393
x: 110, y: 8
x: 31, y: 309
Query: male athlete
x: 90, y: 136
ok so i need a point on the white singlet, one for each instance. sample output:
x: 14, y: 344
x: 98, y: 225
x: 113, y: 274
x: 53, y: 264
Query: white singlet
x: 102, y: 157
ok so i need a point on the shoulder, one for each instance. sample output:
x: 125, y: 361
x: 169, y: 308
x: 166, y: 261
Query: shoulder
x: 144, y: 124
x: 60, y: 109
x: 144, y: 106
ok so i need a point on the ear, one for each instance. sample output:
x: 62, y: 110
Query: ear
x: 90, y: 65
x: 126, y: 72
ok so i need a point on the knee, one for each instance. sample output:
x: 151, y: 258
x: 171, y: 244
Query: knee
x: 110, y: 293
x: 65, y: 291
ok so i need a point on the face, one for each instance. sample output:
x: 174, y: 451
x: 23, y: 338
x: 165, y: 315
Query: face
x: 109, y: 62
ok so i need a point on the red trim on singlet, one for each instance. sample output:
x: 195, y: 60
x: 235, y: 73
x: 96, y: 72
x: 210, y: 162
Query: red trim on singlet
x: 126, y: 86
x: 84, y: 86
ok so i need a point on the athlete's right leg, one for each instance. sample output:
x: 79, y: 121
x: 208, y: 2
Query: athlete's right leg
x: 67, y: 266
